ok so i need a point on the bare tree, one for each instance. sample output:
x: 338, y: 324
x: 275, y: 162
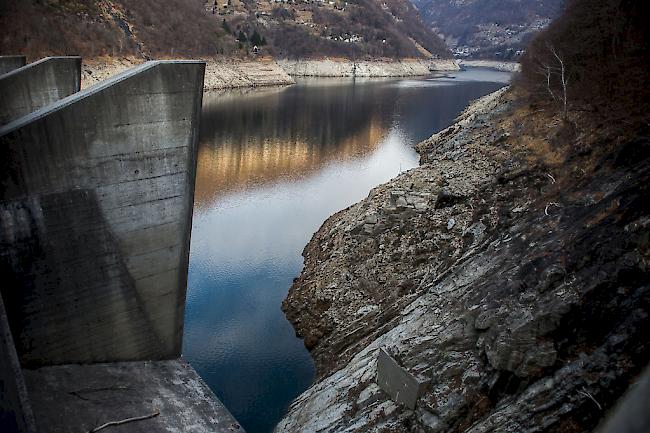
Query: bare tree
x: 547, y: 72
x: 564, y: 80
x: 556, y: 67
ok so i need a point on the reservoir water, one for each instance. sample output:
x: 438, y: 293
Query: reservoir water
x: 273, y: 165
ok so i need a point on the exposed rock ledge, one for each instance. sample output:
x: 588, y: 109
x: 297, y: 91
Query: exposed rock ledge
x: 518, y: 289
x: 219, y: 74
x: 377, y: 68
x: 492, y: 64
x: 224, y: 75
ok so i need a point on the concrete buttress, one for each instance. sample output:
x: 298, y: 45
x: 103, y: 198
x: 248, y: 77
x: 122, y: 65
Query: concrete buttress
x: 96, y: 196
x: 37, y: 85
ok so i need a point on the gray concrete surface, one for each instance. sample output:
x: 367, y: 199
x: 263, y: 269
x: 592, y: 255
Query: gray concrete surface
x: 37, y: 85
x: 78, y: 398
x: 96, y: 196
x: 631, y: 414
x: 397, y: 382
x: 9, y: 63
x: 15, y: 408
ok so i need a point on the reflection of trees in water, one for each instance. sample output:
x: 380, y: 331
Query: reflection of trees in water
x: 321, y: 116
x: 257, y: 138
x: 229, y: 166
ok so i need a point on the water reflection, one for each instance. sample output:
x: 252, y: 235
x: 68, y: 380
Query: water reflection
x: 273, y: 165
x: 291, y: 132
x: 234, y: 165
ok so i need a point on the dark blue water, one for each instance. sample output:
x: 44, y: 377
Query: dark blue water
x: 273, y: 165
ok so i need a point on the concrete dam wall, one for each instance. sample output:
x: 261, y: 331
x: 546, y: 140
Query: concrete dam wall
x: 29, y: 88
x: 9, y: 63
x: 95, y: 218
x: 15, y: 409
x: 96, y: 198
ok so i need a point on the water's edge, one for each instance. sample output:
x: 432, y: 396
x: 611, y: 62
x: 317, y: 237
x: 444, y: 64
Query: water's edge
x: 288, y: 159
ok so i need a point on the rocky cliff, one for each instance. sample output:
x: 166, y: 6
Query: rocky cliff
x: 508, y: 273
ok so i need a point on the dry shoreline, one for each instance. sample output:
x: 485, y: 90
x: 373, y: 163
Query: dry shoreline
x: 492, y: 64
x: 366, y: 68
x: 230, y: 73
x: 219, y: 74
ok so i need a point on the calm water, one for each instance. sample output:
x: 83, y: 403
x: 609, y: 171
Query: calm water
x: 273, y: 165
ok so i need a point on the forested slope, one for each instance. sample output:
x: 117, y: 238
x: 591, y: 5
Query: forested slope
x: 356, y: 29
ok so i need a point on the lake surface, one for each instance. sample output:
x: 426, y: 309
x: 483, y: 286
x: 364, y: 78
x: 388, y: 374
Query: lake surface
x: 273, y: 165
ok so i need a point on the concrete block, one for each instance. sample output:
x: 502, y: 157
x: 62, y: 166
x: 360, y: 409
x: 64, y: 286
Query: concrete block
x: 26, y: 89
x: 402, y: 387
x: 9, y: 63
x: 96, y: 196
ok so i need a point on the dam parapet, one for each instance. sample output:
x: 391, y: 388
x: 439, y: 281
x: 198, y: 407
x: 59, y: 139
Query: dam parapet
x: 96, y: 202
x: 9, y: 63
x: 36, y: 85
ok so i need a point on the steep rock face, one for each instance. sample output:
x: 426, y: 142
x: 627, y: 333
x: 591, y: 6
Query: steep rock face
x: 488, y: 28
x: 519, y: 290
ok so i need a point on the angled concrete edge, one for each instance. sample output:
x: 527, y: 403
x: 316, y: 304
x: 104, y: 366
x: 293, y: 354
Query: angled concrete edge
x: 95, y: 212
x: 9, y: 63
x: 37, y: 85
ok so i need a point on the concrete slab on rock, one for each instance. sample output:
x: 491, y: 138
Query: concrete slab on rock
x: 396, y: 381
x: 78, y: 398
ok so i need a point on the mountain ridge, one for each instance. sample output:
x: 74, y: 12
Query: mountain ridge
x: 497, y: 29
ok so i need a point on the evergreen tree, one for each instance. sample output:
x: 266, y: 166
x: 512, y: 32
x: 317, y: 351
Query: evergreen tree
x: 256, y: 39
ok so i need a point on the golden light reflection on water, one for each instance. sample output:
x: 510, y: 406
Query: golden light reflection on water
x: 282, y: 133
x: 231, y: 166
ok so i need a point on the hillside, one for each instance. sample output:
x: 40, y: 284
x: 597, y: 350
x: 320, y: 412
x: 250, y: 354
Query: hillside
x: 488, y: 28
x: 93, y: 28
x: 352, y: 29
x: 356, y: 29
x: 509, y: 275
